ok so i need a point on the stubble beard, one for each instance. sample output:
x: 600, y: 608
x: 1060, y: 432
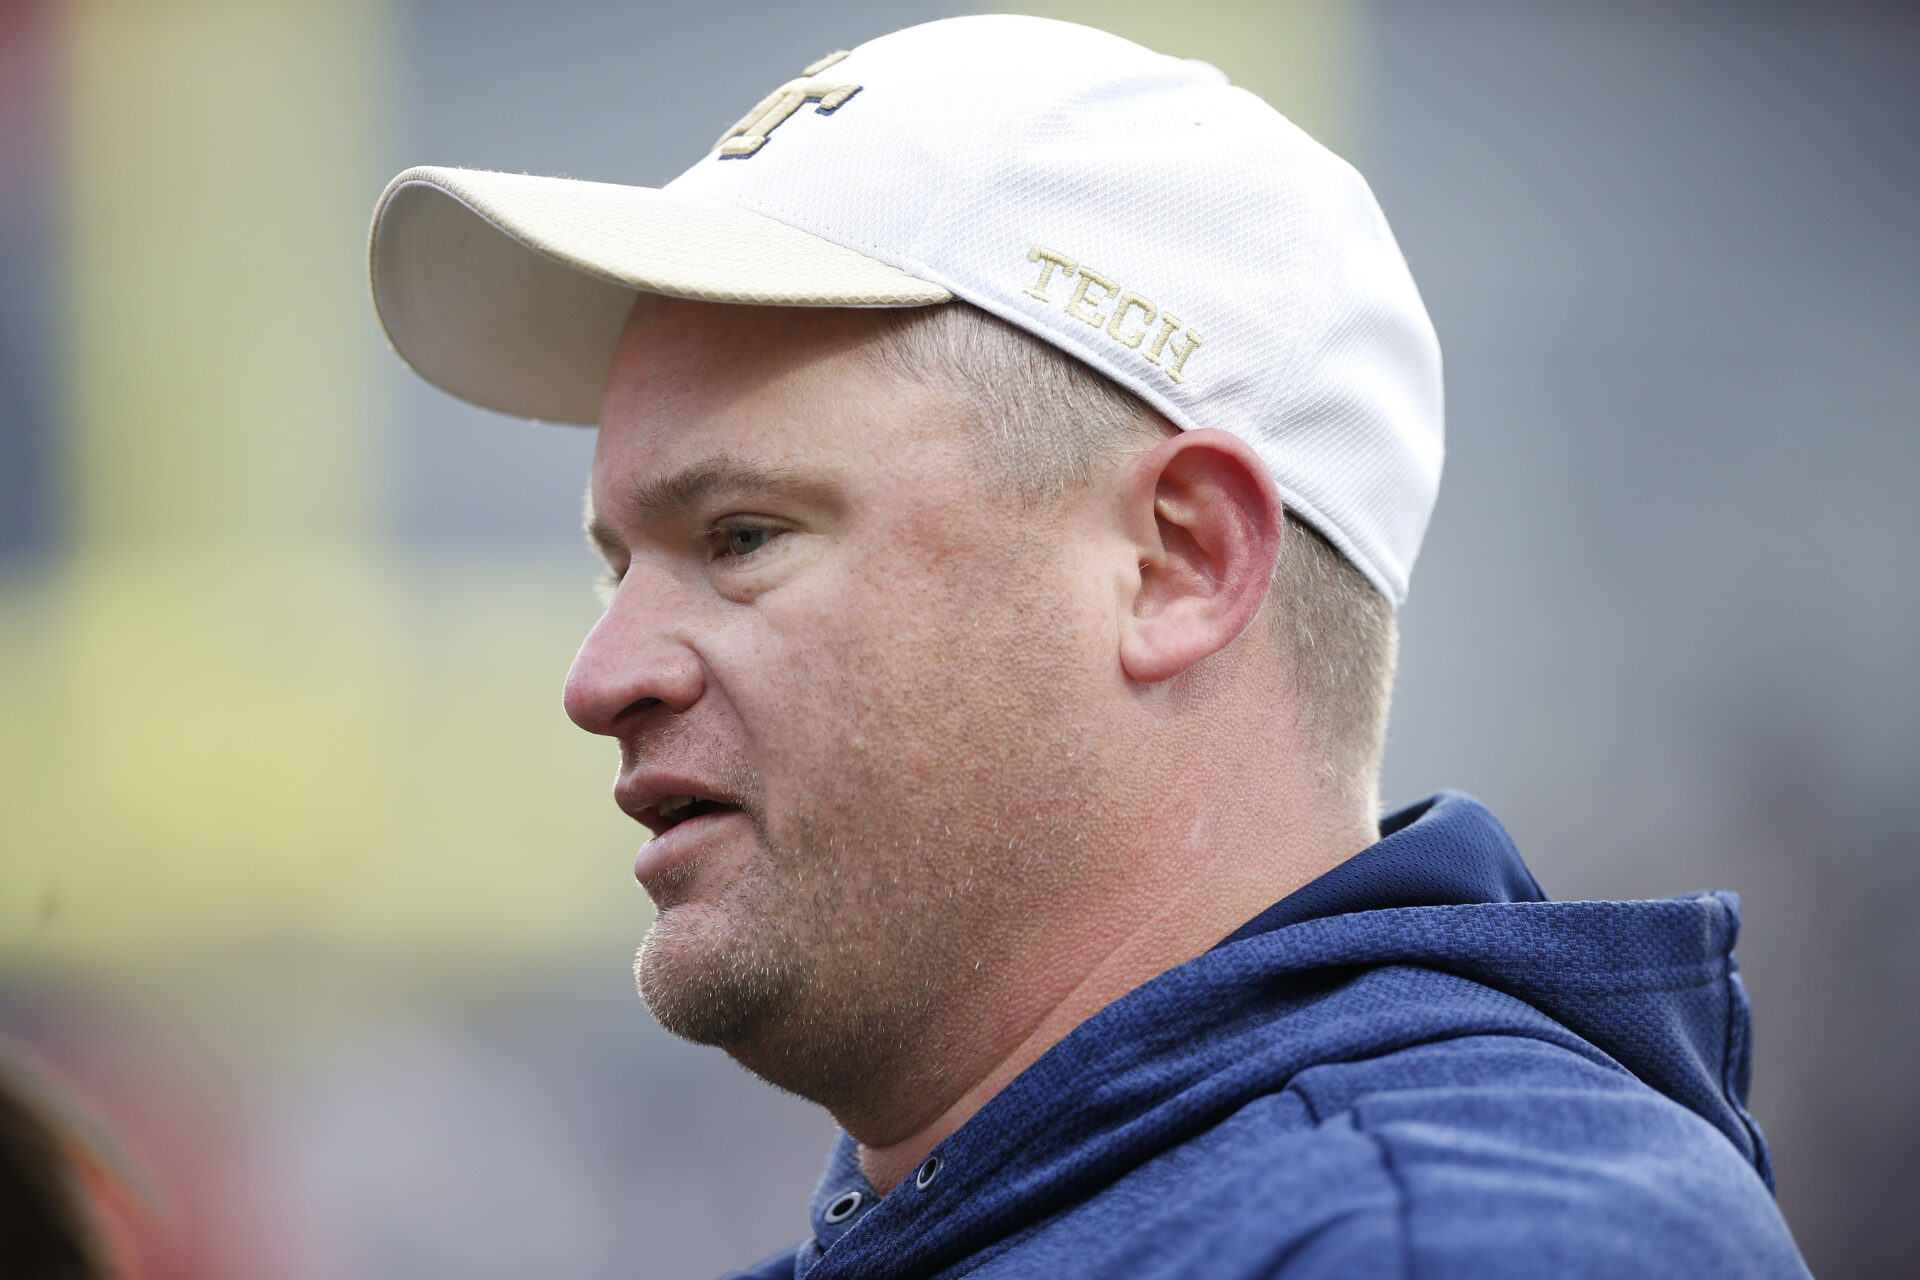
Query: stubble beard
x: 818, y: 968
x: 719, y: 991
x: 829, y: 965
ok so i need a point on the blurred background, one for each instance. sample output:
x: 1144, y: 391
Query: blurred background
x: 311, y: 897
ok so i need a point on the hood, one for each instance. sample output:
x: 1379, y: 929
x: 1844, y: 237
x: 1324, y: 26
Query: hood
x: 1648, y: 987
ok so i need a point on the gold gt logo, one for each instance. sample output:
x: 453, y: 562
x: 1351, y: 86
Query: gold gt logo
x: 750, y: 134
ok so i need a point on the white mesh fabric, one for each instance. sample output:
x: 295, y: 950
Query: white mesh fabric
x: 968, y: 143
x: 975, y: 139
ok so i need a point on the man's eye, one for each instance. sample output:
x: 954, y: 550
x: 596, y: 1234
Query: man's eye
x: 744, y: 542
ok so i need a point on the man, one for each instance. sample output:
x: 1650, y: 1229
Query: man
x: 1012, y: 446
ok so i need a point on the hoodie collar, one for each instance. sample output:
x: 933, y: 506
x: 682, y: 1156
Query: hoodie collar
x: 1446, y: 850
x: 1612, y: 982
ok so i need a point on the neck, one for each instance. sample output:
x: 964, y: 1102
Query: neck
x: 1106, y: 950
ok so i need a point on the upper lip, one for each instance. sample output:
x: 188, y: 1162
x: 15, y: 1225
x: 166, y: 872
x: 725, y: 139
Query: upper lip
x: 641, y: 794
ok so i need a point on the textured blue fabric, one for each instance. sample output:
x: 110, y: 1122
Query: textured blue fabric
x: 1413, y: 1067
x: 1415, y: 864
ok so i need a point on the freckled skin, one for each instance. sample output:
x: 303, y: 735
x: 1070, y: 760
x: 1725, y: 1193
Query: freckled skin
x: 995, y: 766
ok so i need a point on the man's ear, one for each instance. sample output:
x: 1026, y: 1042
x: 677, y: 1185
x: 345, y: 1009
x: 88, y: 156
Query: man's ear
x: 1206, y: 519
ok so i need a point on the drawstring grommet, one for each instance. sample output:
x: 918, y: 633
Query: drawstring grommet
x: 843, y: 1208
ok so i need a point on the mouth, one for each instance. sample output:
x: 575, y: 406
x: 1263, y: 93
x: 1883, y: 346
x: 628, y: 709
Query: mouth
x: 682, y: 824
x: 672, y: 811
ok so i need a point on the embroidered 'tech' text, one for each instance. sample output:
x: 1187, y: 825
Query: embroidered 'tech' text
x: 1132, y: 321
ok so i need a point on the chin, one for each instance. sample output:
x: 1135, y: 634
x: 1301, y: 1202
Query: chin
x: 705, y: 982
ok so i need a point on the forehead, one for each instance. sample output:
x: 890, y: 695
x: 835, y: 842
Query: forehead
x: 798, y: 374
x: 696, y: 386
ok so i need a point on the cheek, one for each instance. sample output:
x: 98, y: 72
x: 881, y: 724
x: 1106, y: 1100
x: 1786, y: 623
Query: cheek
x: 831, y: 671
x: 918, y: 676
x: 922, y: 684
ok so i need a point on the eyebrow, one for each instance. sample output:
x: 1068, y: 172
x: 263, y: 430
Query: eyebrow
x: 671, y: 496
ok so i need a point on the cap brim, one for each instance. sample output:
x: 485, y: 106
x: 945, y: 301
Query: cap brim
x: 510, y: 291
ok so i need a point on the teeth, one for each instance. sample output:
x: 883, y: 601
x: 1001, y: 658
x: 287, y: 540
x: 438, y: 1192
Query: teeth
x: 674, y: 804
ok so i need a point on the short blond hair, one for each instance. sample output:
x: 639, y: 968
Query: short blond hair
x: 1051, y: 424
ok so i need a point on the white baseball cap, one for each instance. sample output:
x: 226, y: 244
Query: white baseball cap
x: 1132, y: 209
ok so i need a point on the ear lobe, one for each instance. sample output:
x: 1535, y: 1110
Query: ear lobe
x: 1207, y: 520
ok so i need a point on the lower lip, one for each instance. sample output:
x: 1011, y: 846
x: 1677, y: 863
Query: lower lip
x: 677, y: 842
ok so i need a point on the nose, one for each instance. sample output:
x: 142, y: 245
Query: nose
x: 631, y: 664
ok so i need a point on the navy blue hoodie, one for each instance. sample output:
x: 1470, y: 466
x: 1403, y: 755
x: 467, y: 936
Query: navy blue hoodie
x: 1415, y: 1066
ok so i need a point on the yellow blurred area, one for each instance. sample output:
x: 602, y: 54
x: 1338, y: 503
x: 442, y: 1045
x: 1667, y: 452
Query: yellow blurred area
x: 229, y: 713
x: 227, y: 716
x: 212, y: 748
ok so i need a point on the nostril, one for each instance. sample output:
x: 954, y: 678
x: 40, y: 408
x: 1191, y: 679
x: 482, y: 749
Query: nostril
x: 637, y: 707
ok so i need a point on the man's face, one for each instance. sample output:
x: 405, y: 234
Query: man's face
x: 877, y: 681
